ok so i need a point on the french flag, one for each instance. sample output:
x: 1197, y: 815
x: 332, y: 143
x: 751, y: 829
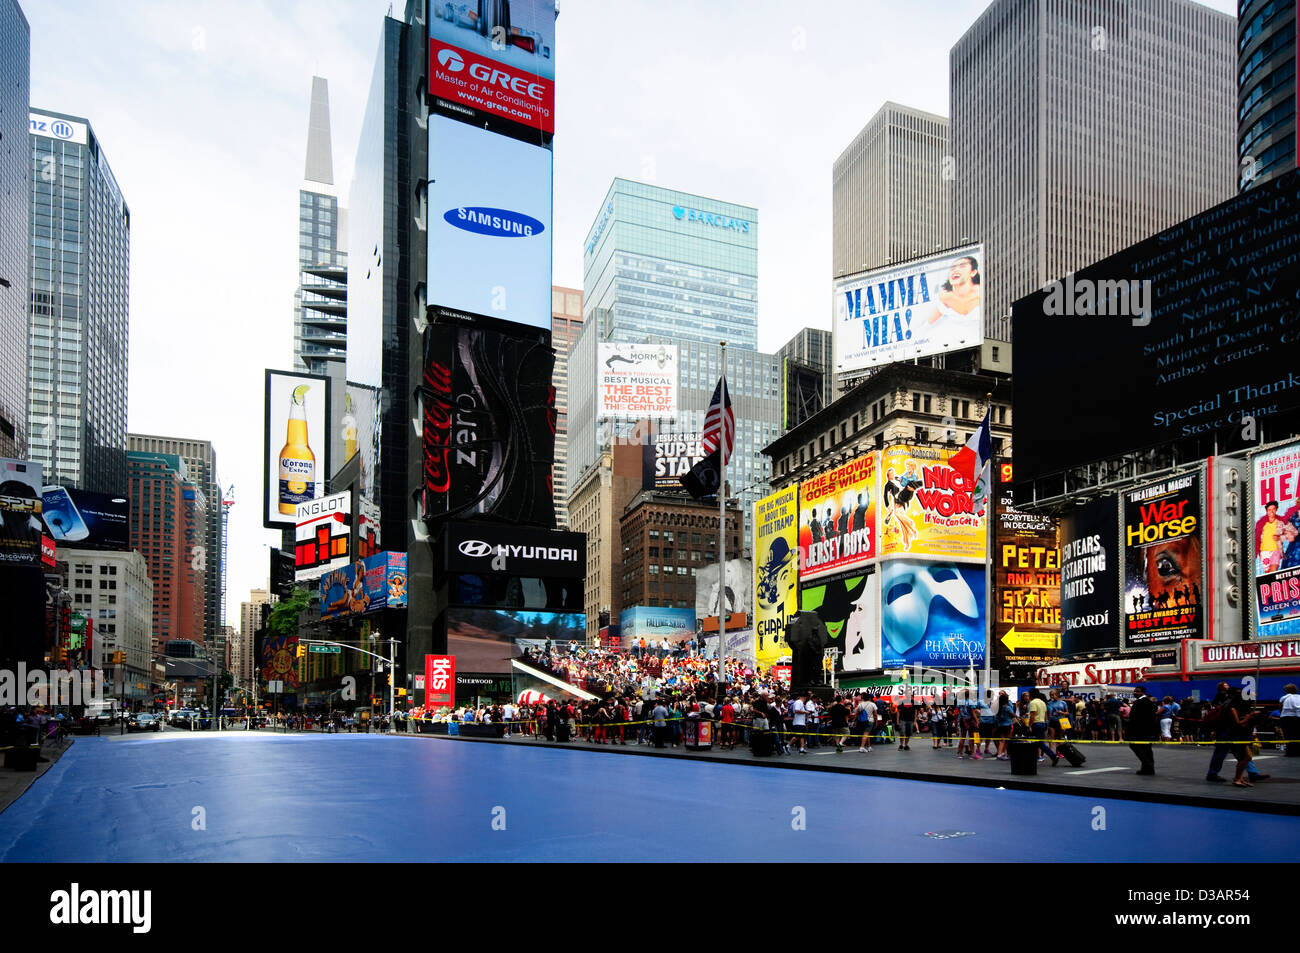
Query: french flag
x: 969, y: 460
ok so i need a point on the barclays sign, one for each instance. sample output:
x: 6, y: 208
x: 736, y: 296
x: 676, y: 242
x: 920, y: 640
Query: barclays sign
x: 683, y: 214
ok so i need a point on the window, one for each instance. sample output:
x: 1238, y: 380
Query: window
x: 995, y: 354
x: 925, y: 404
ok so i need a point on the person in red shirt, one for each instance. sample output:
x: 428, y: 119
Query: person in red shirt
x: 727, y: 716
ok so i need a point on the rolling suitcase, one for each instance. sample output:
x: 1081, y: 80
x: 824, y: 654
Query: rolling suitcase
x: 761, y: 743
x: 1070, y: 753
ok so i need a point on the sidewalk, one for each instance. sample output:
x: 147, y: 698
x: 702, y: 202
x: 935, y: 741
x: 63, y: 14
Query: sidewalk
x: 1110, y: 771
x: 14, y: 783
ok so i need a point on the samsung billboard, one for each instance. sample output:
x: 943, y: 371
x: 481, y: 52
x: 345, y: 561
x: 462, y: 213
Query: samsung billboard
x: 489, y: 225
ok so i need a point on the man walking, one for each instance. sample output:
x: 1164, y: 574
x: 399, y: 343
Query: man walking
x: 1143, y: 726
x: 1038, y: 725
x: 865, y: 713
x: 799, y: 721
x: 659, y: 718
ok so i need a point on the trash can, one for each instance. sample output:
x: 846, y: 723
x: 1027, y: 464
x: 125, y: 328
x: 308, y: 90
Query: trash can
x: 698, y: 733
x: 453, y: 727
x: 1024, y: 756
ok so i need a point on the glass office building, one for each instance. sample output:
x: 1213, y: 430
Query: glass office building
x: 1266, y: 90
x: 15, y: 206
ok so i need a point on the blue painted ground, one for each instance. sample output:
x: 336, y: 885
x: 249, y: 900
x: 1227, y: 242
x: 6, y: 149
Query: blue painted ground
x: 374, y: 798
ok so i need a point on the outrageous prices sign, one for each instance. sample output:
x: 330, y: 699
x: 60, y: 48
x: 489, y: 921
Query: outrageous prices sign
x: 776, y: 572
x: 440, y: 681
x: 837, y: 518
x: 1163, y: 562
x: 928, y: 508
x: 1275, y: 505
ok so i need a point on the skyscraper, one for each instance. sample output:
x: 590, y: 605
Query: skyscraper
x: 15, y: 211
x: 566, y: 322
x: 810, y: 347
x: 1266, y: 76
x: 1078, y: 129
x: 890, y: 191
x: 77, y: 347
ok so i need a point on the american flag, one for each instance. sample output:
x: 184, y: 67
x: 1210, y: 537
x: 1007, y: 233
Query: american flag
x: 720, y: 422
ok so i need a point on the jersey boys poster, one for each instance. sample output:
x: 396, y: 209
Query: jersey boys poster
x: 927, y: 508
x: 1275, y: 507
x: 1163, y: 562
x: 776, y: 572
x: 837, y: 519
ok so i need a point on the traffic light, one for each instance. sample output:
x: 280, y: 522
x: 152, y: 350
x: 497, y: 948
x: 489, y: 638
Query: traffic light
x: 302, y: 650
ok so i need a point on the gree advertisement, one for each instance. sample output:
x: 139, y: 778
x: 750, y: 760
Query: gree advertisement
x: 495, y: 59
x: 667, y: 457
x: 322, y: 536
x: 1163, y: 565
x: 1026, y: 586
x: 776, y: 572
x: 636, y: 381
x: 837, y: 519
x: 926, y: 306
x: 927, y: 508
x: 489, y: 424
x: 368, y: 585
x: 1275, y: 508
x: 932, y: 614
x: 1090, y: 568
x: 20, y: 512
x: 489, y: 224
x: 850, y: 610
x: 655, y: 624
x: 295, y: 445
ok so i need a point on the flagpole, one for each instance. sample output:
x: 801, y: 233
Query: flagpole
x: 722, y: 519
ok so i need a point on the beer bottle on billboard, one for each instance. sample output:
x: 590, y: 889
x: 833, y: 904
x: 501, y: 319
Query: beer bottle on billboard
x: 297, y: 462
x: 349, y: 423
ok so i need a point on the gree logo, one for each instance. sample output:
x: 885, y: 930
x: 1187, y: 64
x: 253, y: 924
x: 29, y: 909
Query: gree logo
x: 475, y: 548
x: 450, y: 60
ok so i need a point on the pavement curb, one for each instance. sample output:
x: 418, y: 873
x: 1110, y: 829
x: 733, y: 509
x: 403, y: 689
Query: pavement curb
x: 1011, y: 783
x: 12, y: 785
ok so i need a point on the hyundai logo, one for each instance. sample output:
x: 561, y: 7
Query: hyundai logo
x: 475, y: 548
x: 498, y: 222
x: 450, y: 60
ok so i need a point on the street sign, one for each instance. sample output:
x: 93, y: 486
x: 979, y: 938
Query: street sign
x: 325, y: 649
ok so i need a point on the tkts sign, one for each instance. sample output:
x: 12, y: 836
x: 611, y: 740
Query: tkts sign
x: 439, y: 680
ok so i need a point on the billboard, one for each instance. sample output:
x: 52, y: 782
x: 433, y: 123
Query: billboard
x: 322, y: 537
x: 1026, y: 586
x: 21, y: 527
x: 489, y: 224
x: 667, y: 457
x: 368, y: 585
x: 280, y: 659
x: 52, y: 127
x: 655, y: 624
x: 1163, y: 563
x: 1090, y: 618
x: 489, y: 424
x: 1275, y: 541
x: 84, y: 520
x: 740, y: 575
x: 837, y: 519
x: 492, y: 548
x: 899, y: 312
x: 931, y: 613
x: 485, y: 640
x: 850, y: 610
x: 440, y: 681
x: 636, y: 381
x: 776, y: 572
x: 1190, y: 330
x: 927, y: 508
x: 295, y: 444
x: 495, y: 60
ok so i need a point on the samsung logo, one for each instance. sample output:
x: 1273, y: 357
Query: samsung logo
x: 709, y: 218
x: 498, y: 222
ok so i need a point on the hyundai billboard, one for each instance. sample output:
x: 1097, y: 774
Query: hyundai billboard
x: 489, y: 225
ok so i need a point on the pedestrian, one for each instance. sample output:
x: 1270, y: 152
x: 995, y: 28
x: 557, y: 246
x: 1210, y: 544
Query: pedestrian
x: 906, y: 722
x: 659, y: 722
x: 839, y: 716
x: 1142, y: 729
x: 1006, y: 723
x: 799, y: 720
x: 1240, y: 721
x: 864, y: 714
x: 988, y: 724
x: 1114, y: 722
x: 1218, y: 722
x: 1289, y: 723
x: 1038, y: 725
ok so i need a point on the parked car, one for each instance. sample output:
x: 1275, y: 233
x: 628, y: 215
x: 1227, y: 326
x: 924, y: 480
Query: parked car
x: 144, y: 721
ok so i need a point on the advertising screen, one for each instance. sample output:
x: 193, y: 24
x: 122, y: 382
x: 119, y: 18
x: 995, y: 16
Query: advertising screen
x: 655, y: 624
x: 20, y: 512
x: 322, y: 536
x: 1275, y: 552
x: 1026, y: 587
x: 776, y: 572
x: 280, y: 660
x: 493, y: 548
x: 366, y: 586
x: 739, y: 576
x: 635, y: 381
x: 440, y: 681
x: 1180, y: 337
x: 485, y: 640
x: 1163, y: 564
x: 927, y: 508
x: 931, y: 613
x: 899, y: 312
x: 489, y: 224
x: 495, y: 60
x: 837, y: 519
x: 489, y: 424
x: 295, y: 445
x: 85, y: 520
x: 667, y: 457
x: 850, y: 610
x: 1090, y: 570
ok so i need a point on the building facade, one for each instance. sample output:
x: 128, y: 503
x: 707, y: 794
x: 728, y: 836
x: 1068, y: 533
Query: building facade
x: 810, y: 347
x: 566, y: 322
x: 596, y: 505
x: 79, y: 270
x: 1078, y: 129
x: 15, y: 212
x: 665, y: 539
x: 890, y: 191
x: 244, y: 663
x: 114, y: 589
x: 1266, y: 93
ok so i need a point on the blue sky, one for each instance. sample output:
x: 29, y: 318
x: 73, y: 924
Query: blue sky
x: 201, y: 108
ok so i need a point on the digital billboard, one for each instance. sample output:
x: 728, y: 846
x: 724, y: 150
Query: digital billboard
x: 740, y: 574
x: 931, y: 613
x: 667, y: 457
x: 495, y: 60
x: 489, y: 424
x: 323, y: 533
x: 485, y: 640
x: 479, y: 547
x: 20, y: 512
x: 1184, y: 337
x: 654, y: 623
x: 776, y: 572
x: 1026, y: 587
x: 295, y: 444
x: 1090, y: 573
x: 899, y: 312
x: 636, y: 381
x: 1275, y: 541
x: 489, y: 225
x: 927, y: 508
x: 1164, y: 568
x: 366, y: 586
x: 850, y: 610
x: 837, y: 519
